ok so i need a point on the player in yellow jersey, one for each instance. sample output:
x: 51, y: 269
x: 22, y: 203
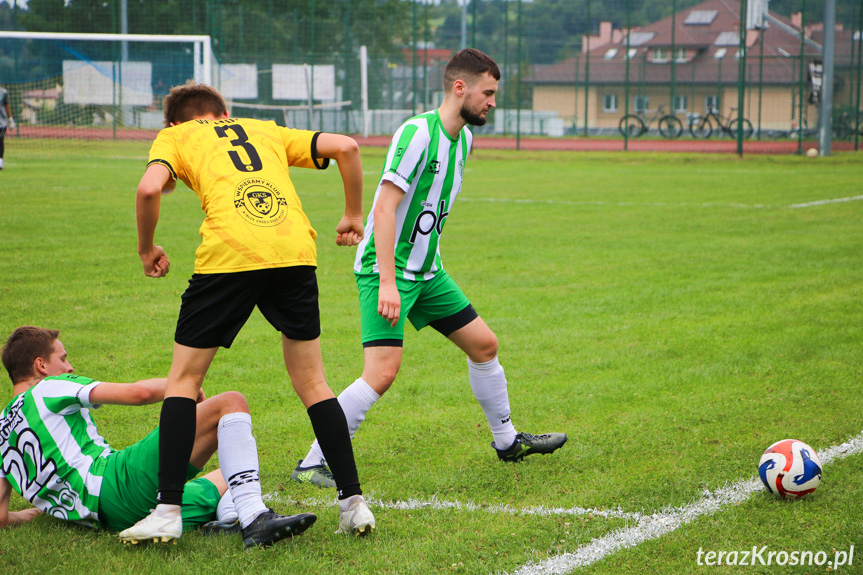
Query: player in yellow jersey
x: 257, y: 249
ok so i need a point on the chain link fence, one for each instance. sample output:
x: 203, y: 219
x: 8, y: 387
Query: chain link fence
x: 663, y: 69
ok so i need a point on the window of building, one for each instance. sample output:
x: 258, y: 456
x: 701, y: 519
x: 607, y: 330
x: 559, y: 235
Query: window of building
x: 611, y: 53
x: 680, y: 55
x: 632, y: 52
x: 641, y: 104
x: 680, y: 105
x: 711, y: 103
x: 639, y: 38
x: 609, y: 103
x: 661, y: 55
x: 727, y: 39
x: 700, y: 17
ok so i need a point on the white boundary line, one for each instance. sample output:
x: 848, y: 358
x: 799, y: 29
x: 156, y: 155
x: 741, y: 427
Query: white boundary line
x: 822, y: 202
x: 664, y: 522
x: 660, y: 204
x: 436, y: 503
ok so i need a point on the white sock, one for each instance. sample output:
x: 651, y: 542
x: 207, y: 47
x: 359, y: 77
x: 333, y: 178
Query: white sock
x: 225, y: 510
x: 355, y: 400
x: 238, y: 458
x: 488, y: 382
x: 1, y: 163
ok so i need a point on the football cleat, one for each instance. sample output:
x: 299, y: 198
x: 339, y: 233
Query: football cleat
x: 269, y: 527
x: 526, y: 444
x: 162, y: 525
x: 319, y: 475
x: 356, y: 518
x: 221, y: 527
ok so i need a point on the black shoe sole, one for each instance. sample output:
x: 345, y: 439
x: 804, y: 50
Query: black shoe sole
x: 297, y: 526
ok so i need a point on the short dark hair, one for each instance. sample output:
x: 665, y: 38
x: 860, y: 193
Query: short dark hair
x: 190, y: 101
x: 469, y: 64
x: 23, y: 347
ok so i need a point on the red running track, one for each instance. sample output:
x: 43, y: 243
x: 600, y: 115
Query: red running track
x: 590, y: 144
x: 604, y: 144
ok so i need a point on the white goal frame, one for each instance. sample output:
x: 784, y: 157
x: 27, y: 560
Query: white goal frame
x: 203, y: 49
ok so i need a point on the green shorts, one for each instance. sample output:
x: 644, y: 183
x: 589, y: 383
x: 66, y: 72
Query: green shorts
x: 130, y: 484
x: 438, y: 302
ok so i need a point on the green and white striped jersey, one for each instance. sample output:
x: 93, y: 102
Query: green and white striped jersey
x: 428, y: 165
x: 50, y: 450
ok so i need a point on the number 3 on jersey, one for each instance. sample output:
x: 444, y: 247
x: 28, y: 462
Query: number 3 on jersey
x: 242, y: 141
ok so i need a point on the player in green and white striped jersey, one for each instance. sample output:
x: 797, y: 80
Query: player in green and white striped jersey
x: 399, y: 270
x: 52, y: 454
x: 427, y: 165
x: 68, y: 474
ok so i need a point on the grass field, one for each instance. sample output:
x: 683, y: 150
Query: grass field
x: 673, y: 314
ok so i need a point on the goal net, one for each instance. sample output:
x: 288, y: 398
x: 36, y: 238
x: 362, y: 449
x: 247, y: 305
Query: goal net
x: 97, y: 86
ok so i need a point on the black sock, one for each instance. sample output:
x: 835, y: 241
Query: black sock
x: 331, y: 429
x: 176, y: 440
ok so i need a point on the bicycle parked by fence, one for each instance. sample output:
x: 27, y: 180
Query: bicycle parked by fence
x: 634, y: 125
x: 704, y: 126
x: 843, y: 128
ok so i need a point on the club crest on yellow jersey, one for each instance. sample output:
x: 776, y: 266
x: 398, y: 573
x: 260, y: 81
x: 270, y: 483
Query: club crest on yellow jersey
x: 260, y: 203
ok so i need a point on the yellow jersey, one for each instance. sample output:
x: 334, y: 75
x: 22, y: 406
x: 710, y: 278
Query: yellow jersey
x: 239, y: 169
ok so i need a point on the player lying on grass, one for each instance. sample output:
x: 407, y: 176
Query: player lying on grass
x: 399, y: 270
x: 257, y: 250
x: 53, y: 455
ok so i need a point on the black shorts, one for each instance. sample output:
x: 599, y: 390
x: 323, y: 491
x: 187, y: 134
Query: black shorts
x: 216, y: 306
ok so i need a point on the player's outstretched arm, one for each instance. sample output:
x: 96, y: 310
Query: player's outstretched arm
x: 346, y: 152
x: 142, y: 392
x: 147, y: 204
x: 9, y: 518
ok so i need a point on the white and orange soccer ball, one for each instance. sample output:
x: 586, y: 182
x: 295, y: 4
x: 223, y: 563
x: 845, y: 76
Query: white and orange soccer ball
x: 790, y: 469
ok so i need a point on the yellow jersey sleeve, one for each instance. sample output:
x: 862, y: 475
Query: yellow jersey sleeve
x: 163, y: 152
x: 239, y: 168
x: 301, y: 153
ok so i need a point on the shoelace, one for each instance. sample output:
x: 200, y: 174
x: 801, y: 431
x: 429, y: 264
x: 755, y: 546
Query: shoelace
x: 530, y: 437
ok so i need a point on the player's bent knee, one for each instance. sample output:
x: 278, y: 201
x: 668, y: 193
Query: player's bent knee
x: 486, y: 349
x: 381, y: 366
x: 385, y: 371
x: 492, y: 346
x: 387, y: 375
x: 232, y: 402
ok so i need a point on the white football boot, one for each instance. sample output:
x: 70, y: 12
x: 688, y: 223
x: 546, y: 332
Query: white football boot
x: 355, y: 516
x: 163, y: 525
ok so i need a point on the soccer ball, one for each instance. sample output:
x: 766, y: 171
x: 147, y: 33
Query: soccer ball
x: 812, y: 153
x: 790, y: 469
